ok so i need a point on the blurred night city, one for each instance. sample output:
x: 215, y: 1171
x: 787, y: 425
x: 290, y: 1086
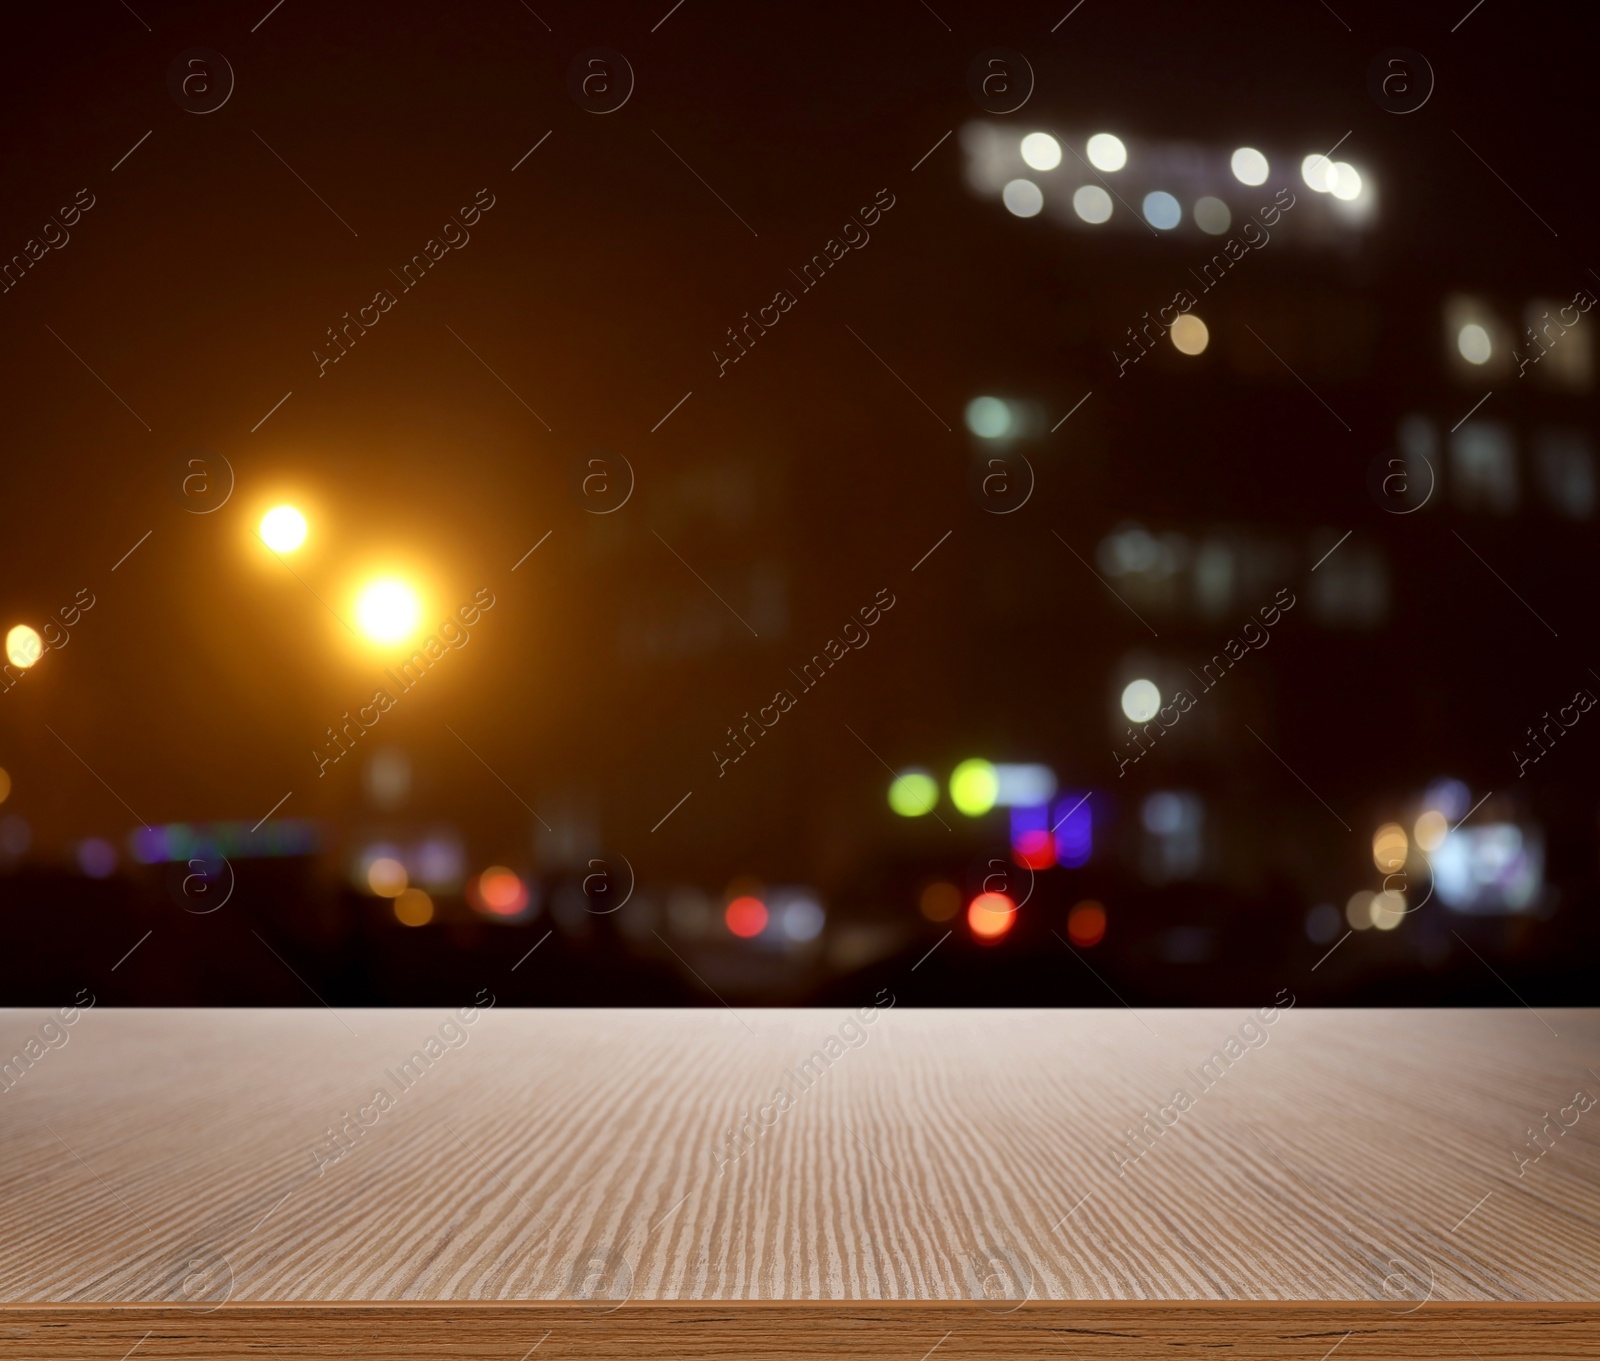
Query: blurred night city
x: 1010, y: 508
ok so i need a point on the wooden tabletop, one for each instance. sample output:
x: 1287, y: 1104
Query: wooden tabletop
x: 780, y: 1181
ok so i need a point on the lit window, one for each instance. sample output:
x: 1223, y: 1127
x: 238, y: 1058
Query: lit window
x: 1106, y: 152
x: 1565, y: 464
x: 1483, y: 469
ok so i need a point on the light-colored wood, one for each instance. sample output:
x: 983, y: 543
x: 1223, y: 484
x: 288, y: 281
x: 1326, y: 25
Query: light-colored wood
x: 1374, y: 1167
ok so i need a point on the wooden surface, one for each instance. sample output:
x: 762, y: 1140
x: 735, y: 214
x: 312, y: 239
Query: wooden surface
x: 1351, y: 1175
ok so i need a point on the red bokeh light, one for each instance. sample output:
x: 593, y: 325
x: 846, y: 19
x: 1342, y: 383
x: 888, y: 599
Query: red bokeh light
x: 1034, y: 850
x: 991, y: 915
x: 746, y: 917
x: 499, y: 892
x: 1086, y: 923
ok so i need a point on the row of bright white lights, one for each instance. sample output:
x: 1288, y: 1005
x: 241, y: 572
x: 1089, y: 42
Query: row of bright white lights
x: 1041, y: 151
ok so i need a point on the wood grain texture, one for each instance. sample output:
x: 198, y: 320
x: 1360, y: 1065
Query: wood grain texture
x: 1346, y: 1165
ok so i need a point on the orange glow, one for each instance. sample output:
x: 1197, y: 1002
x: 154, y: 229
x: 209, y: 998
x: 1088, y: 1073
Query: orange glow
x: 991, y: 915
x: 499, y: 892
x: 413, y: 908
x: 386, y: 877
x: 940, y: 901
x: 746, y: 917
x: 1086, y: 923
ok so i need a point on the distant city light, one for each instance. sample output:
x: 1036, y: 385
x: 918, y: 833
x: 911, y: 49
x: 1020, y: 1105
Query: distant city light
x: 1074, y: 829
x: 1430, y: 830
x: 283, y: 529
x: 387, y: 611
x: 1023, y: 784
x: 23, y: 646
x: 802, y: 919
x: 1091, y: 203
x: 1162, y: 210
x: 97, y: 858
x: 1317, y: 172
x: 1106, y: 152
x: 1358, y: 911
x: 1473, y: 342
x: 939, y: 901
x: 1389, y: 847
x: 1032, y: 845
x: 1189, y: 334
x: 499, y: 892
x: 1323, y: 923
x: 746, y: 917
x: 974, y: 786
x: 1387, y: 909
x: 1345, y: 181
x: 413, y: 907
x: 386, y: 877
x: 988, y: 417
x: 1140, y: 700
x: 1211, y: 215
x: 990, y: 916
x: 1249, y: 166
x: 1023, y: 198
x: 1041, y: 151
x: 913, y: 793
x: 1086, y: 923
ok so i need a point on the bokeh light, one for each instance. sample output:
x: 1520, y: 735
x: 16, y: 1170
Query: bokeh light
x: 388, y: 611
x: 802, y: 919
x: 746, y: 917
x: 413, y: 907
x: 386, y: 877
x: 1431, y: 829
x: 940, y: 901
x: 1474, y: 344
x: 1091, y: 203
x: 1249, y: 166
x: 498, y: 891
x: 23, y: 646
x: 1389, y: 847
x: 1140, y: 700
x: 1162, y: 210
x: 1023, y: 198
x: 1041, y: 151
x: 991, y: 915
x: 1317, y: 171
x: 974, y: 786
x: 283, y: 529
x: 1211, y: 215
x: 1086, y: 923
x: 1106, y: 152
x: 913, y: 793
x: 1345, y: 181
x: 988, y: 417
x: 1189, y: 334
x: 1358, y: 911
x: 1387, y: 909
x: 97, y: 858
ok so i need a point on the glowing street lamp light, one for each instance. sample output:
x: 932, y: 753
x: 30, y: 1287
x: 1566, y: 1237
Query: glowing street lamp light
x: 23, y: 646
x: 283, y: 529
x: 387, y: 611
